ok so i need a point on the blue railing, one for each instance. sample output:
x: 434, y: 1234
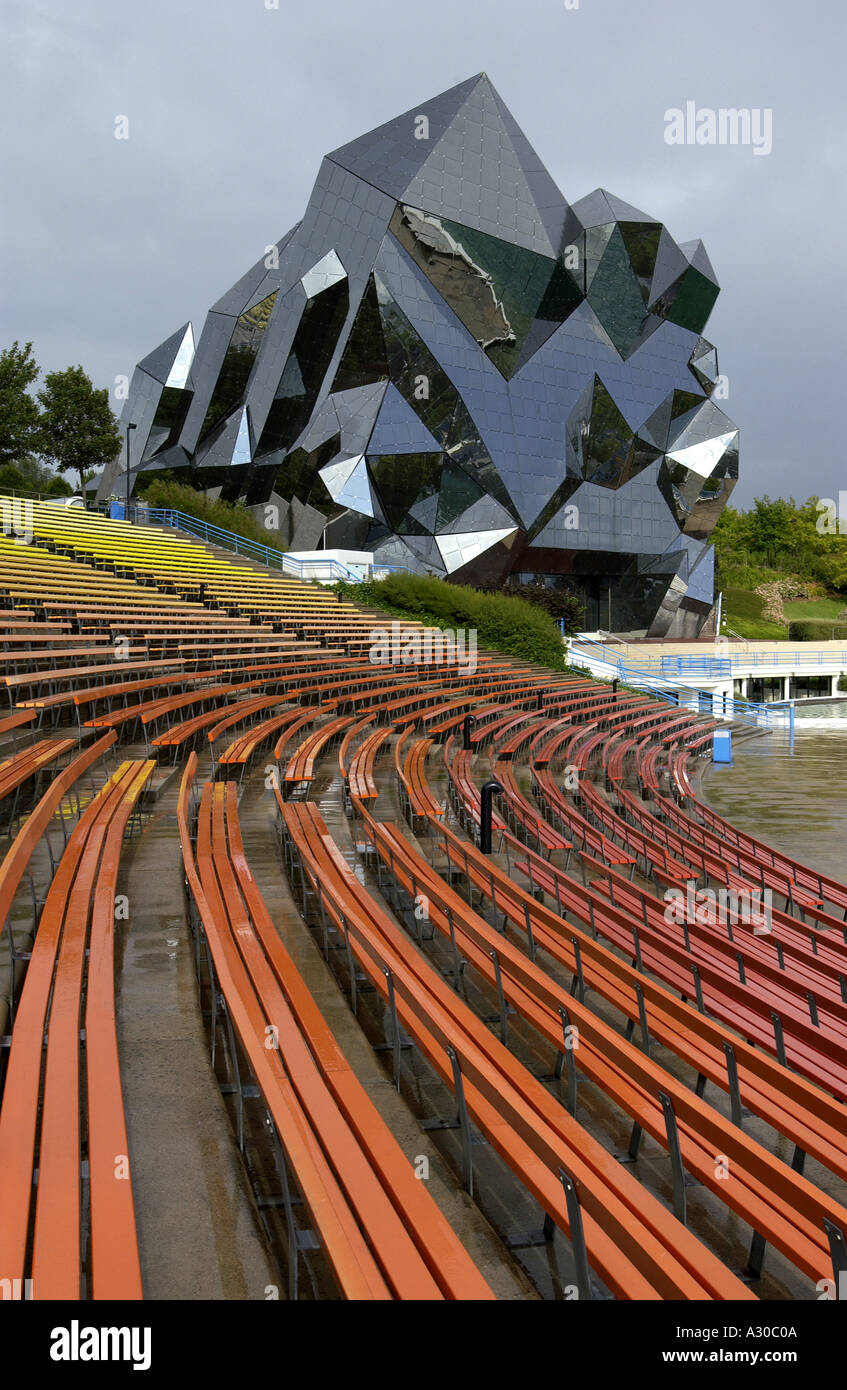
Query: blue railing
x: 695, y: 666
x: 724, y: 705
x: 816, y: 658
x: 230, y: 540
x: 717, y: 668
x: 242, y: 545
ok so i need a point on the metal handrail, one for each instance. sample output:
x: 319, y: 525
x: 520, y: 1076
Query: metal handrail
x: 274, y: 558
x: 726, y: 665
x: 228, y: 540
x: 731, y: 705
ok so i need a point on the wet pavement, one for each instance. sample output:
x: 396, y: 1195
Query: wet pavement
x: 199, y: 1232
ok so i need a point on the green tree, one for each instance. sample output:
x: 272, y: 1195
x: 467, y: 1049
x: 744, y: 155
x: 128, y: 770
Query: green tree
x: 77, y: 428
x: 29, y: 478
x: 18, y: 410
x: 773, y: 523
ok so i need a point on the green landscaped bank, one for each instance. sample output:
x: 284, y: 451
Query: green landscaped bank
x: 798, y: 549
x: 508, y: 625
x: 229, y: 516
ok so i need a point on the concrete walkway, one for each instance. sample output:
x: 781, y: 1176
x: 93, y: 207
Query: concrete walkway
x: 199, y: 1232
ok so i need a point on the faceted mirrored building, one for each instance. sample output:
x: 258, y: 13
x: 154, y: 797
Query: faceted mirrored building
x: 447, y: 364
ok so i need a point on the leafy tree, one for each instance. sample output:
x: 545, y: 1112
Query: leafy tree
x: 772, y: 526
x: 77, y: 429
x: 11, y: 478
x: 30, y: 478
x: 18, y: 410
x: 778, y: 538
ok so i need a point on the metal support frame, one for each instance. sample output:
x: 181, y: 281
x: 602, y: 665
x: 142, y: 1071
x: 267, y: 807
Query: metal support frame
x: 461, y: 1122
x: 838, y: 1253
x: 577, y: 1235
x: 501, y: 998
x: 566, y: 1059
x: 756, y: 1258
x: 639, y: 964
x: 734, y: 1088
x: 578, y: 981
x: 677, y: 1168
x: 398, y: 1042
x: 298, y: 1240
x: 529, y: 933
x: 698, y: 989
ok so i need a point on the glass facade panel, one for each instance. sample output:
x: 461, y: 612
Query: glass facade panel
x: 305, y: 369
x: 237, y: 364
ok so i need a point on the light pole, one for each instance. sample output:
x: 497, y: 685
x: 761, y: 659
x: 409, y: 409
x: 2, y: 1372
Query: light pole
x: 128, y: 428
x: 489, y: 790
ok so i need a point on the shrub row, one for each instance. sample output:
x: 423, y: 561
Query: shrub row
x: 228, y: 515
x: 508, y: 625
x: 816, y: 630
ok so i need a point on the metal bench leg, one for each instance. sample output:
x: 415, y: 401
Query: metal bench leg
x: 734, y: 1089
x: 578, y: 981
x: 677, y: 1169
x: 566, y: 1058
x: 461, y: 1122
x: 756, y: 1259
x: 464, y: 1123
x: 838, y: 1252
x: 577, y: 1235
x: 501, y: 998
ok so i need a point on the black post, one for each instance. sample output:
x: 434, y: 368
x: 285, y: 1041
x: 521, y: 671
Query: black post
x: 466, y: 731
x: 539, y: 704
x: 615, y: 686
x: 488, y: 790
x: 128, y: 489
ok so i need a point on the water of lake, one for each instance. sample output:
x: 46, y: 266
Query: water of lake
x: 791, y: 793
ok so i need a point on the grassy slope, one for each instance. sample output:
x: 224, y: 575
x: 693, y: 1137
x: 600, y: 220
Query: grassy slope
x: 742, y: 612
x: 814, y: 608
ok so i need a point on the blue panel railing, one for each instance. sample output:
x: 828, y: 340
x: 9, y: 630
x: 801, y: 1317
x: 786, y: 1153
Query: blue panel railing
x: 717, y: 668
x: 240, y: 545
x: 722, y: 704
x: 695, y: 666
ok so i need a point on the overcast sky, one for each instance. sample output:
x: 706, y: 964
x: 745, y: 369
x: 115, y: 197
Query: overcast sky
x: 109, y: 245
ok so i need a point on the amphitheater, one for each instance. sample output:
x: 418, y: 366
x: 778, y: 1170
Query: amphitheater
x: 277, y: 1022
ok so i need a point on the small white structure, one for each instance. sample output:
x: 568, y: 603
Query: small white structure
x: 328, y: 566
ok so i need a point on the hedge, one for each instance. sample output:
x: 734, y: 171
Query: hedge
x: 508, y: 625
x: 816, y: 630
x: 228, y: 515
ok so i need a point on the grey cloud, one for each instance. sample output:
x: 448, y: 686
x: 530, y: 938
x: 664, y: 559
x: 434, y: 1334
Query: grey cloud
x: 108, y: 245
